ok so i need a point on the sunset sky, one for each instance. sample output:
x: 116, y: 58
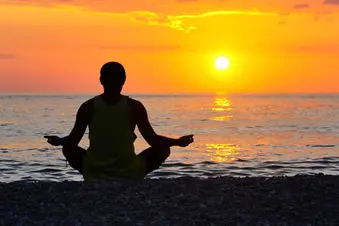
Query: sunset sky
x: 58, y: 46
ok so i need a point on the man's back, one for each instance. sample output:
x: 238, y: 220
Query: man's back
x: 111, y: 153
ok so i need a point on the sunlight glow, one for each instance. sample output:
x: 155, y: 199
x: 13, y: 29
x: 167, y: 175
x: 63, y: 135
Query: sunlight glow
x: 222, y: 63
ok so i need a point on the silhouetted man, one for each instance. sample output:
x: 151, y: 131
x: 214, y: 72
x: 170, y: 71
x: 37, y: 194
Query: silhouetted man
x: 112, y: 118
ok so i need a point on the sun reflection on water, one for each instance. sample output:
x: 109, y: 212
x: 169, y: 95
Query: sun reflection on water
x: 223, y: 152
x: 222, y: 118
x: 222, y: 104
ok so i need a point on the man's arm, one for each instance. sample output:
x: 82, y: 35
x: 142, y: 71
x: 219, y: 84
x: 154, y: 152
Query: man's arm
x: 147, y: 131
x: 81, y: 122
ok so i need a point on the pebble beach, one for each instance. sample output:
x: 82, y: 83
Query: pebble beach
x: 298, y: 200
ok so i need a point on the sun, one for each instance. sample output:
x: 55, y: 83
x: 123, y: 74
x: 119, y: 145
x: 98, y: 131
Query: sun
x: 222, y: 63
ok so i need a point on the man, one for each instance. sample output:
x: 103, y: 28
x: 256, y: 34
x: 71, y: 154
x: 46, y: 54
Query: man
x: 112, y: 118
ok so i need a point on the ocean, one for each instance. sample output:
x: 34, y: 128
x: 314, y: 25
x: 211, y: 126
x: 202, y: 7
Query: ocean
x: 235, y: 134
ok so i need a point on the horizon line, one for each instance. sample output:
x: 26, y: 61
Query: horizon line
x: 168, y: 93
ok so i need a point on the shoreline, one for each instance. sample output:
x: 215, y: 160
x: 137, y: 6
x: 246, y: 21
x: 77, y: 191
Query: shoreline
x: 284, y: 200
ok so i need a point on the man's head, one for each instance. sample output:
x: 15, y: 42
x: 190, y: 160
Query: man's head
x: 112, y: 77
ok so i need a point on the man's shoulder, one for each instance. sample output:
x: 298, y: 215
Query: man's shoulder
x: 86, y: 109
x: 88, y: 104
x: 136, y: 105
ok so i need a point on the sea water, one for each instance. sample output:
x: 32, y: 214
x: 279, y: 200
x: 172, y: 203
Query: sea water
x: 235, y: 134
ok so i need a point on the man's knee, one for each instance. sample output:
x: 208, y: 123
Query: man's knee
x: 71, y: 151
x: 166, y: 152
x: 67, y: 151
x: 161, y: 153
x: 74, y: 155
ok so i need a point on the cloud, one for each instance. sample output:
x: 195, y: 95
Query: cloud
x: 33, y: 2
x: 154, y: 19
x: 143, y: 48
x: 169, y: 13
x: 6, y: 56
x: 331, y: 2
x: 301, y: 6
x: 177, y: 21
x: 227, y: 12
x: 164, y: 6
x: 91, y: 5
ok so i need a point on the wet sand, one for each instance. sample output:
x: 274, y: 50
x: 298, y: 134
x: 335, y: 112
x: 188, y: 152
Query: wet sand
x: 299, y: 200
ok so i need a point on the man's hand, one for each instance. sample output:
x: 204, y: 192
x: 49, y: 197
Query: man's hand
x: 54, y: 140
x: 185, y: 140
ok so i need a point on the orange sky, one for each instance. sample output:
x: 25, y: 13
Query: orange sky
x: 59, y: 46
